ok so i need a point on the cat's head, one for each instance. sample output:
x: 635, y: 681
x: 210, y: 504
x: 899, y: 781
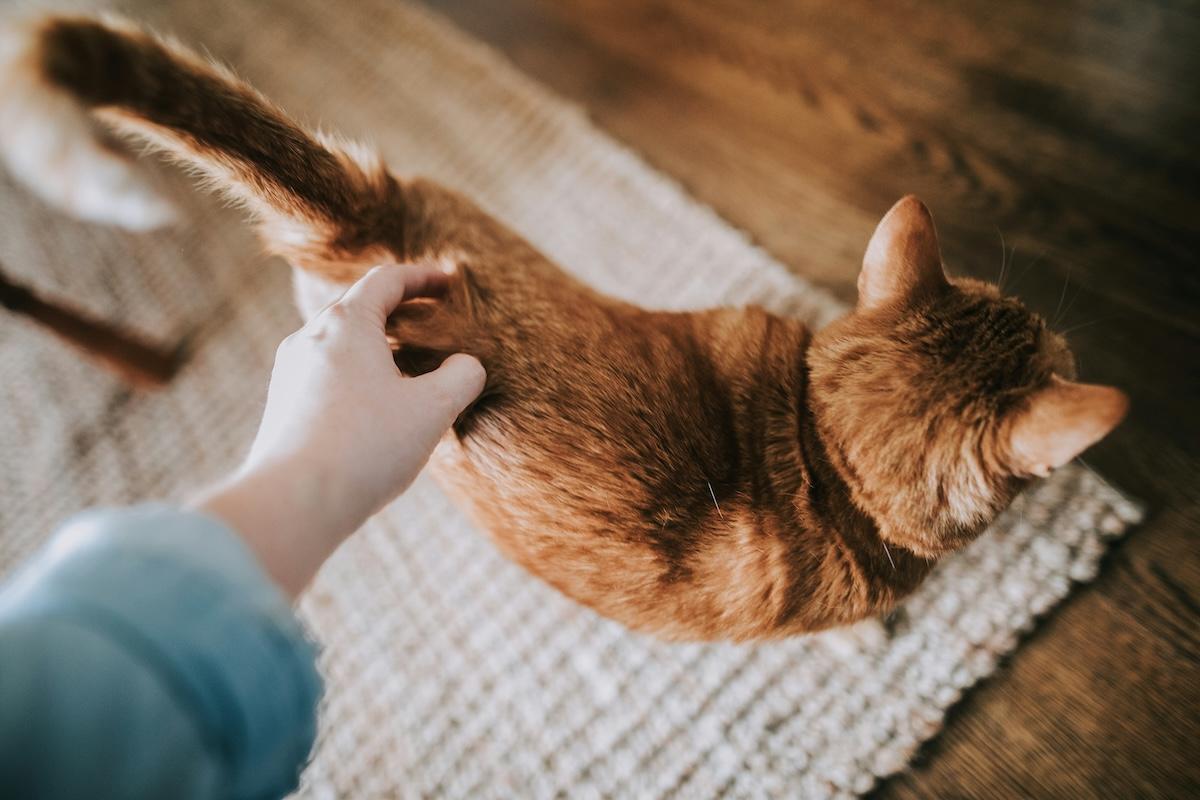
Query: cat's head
x: 938, y: 397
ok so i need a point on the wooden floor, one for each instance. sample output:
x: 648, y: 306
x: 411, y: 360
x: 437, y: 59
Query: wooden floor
x: 1069, y: 131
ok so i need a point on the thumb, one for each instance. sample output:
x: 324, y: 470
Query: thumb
x: 454, y: 384
x: 438, y: 397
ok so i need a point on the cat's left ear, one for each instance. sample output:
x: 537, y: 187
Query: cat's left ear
x: 903, y: 261
x: 1060, y: 422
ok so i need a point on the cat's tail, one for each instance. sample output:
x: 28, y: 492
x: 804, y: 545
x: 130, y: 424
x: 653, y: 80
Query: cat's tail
x: 319, y: 201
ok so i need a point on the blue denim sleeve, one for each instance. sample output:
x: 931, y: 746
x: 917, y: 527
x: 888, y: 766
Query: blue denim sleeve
x: 144, y: 653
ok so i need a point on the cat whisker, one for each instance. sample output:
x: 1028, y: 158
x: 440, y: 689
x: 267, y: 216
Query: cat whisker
x: 1003, y: 259
x: 713, y: 495
x: 1063, y: 295
x: 1087, y: 324
x: 889, y: 554
x: 1066, y: 311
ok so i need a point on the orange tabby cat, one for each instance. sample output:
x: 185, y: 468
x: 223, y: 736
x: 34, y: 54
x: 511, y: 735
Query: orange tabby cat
x: 719, y: 474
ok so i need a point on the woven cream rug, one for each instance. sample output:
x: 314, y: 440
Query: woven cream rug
x: 452, y: 673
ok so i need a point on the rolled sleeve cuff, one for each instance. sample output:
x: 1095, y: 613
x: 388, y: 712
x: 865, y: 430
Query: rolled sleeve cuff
x: 183, y: 594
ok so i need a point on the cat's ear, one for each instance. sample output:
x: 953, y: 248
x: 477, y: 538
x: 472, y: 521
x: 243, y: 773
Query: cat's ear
x: 903, y: 260
x: 1060, y: 422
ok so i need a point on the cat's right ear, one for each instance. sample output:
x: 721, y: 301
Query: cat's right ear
x: 903, y: 260
x: 1060, y: 422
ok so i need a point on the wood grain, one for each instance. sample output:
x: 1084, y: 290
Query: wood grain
x: 1065, y: 131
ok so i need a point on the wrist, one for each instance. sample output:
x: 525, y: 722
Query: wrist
x: 284, y: 511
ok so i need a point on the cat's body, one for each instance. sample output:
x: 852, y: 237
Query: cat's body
x: 719, y: 474
x: 660, y: 467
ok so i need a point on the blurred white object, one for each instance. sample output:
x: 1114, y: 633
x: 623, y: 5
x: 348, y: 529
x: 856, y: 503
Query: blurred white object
x: 50, y: 143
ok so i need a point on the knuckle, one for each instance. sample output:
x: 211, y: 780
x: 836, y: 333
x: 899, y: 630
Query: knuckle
x: 337, y: 311
x: 320, y: 332
x: 329, y: 322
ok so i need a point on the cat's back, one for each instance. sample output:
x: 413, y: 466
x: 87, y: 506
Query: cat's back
x: 627, y: 470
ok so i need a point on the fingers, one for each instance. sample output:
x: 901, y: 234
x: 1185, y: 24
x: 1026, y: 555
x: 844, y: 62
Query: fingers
x: 453, y: 386
x: 383, y: 288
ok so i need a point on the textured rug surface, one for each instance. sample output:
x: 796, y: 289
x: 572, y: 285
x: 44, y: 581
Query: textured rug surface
x: 452, y: 673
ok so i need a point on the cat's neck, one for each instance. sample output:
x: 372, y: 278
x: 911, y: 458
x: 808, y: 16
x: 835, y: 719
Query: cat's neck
x: 884, y: 572
x: 789, y: 475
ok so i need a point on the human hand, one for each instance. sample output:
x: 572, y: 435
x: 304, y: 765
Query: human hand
x: 343, y: 432
x: 338, y: 408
